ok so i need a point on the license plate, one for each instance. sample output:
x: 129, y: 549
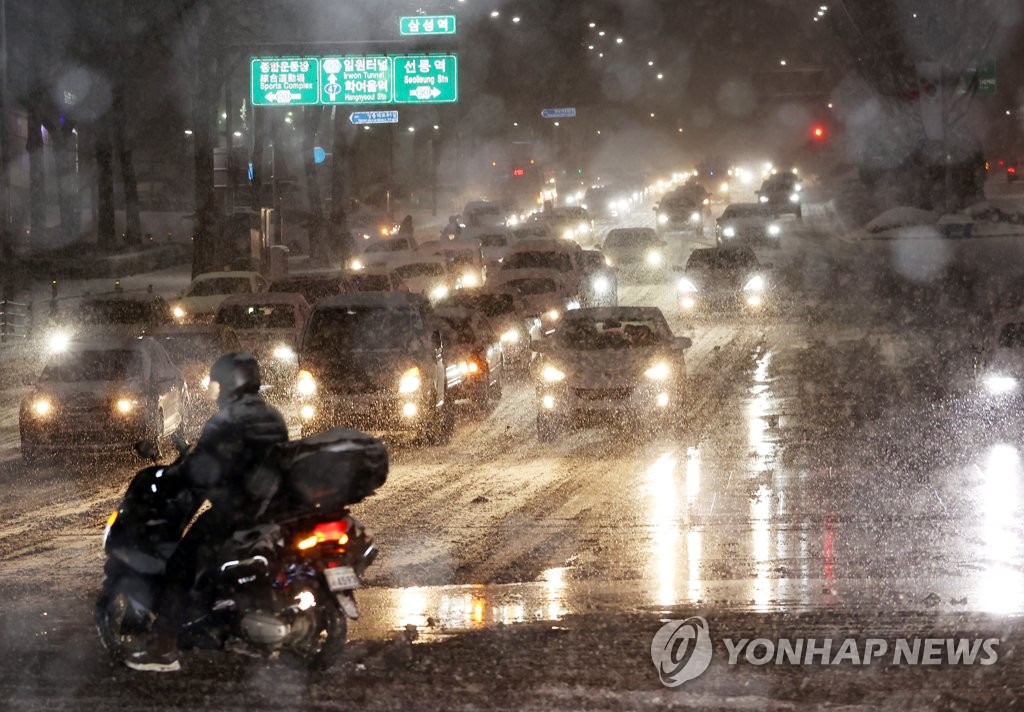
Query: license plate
x: 342, y: 578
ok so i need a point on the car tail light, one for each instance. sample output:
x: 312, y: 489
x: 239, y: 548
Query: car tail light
x: 324, y: 532
x: 1012, y: 170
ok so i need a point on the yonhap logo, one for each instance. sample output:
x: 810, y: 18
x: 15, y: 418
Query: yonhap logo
x: 681, y: 650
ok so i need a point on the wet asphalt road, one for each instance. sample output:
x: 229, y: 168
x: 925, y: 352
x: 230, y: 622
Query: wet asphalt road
x: 814, y: 473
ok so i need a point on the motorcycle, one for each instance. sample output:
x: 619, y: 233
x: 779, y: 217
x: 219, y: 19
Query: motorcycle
x: 286, y: 584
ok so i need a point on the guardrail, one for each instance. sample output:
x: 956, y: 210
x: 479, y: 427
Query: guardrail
x: 15, y: 321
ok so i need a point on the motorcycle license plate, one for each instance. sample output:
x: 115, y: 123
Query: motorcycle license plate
x: 341, y: 578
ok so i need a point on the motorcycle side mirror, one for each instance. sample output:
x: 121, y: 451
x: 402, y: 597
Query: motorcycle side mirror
x: 146, y: 450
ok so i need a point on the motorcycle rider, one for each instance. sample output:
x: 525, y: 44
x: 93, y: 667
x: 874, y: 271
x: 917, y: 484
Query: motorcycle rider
x: 224, y: 469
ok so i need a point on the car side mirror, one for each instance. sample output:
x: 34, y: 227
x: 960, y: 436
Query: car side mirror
x: 681, y: 343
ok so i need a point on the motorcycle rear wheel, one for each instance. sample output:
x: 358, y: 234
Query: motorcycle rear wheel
x: 120, y: 629
x: 323, y: 645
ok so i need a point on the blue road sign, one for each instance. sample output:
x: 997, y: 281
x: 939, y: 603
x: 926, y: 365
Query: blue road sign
x: 564, y: 113
x: 319, y: 154
x: 373, y: 117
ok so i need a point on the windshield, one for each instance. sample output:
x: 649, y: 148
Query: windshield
x: 745, y: 211
x: 421, y: 269
x: 631, y: 238
x: 78, y: 366
x: 191, y: 348
x: 218, y: 286
x: 721, y: 259
x: 458, y: 330
x: 248, y: 317
x: 612, y: 333
x: 490, y: 305
x: 311, y: 289
x: 366, y: 283
x: 361, y: 329
x: 531, y: 287
x: 123, y: 311
x: 393, y: 244
x: 538, y: 260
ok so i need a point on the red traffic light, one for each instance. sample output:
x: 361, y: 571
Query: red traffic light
x: 518, y: 172
x: 818, y: 132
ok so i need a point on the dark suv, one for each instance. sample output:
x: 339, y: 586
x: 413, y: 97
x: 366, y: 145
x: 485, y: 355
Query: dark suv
x: 373, y: 361
x: 781, y: 193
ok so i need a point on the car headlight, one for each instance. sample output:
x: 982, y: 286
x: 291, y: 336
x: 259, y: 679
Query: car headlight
x: 439, y: 292
x: 798, y: 187
x: 568, y: 234
x: 550, y: 374
x: 601, y: 285
x: 205, y: 383
x: 762, y: 198
x: 552, y: 315
x: 694, y: 217
x: 662, y: 219
x: 658, y: 372
x: 653, y: 258
x: 512, y: 220
x: 305, y: 383
x: 583, y: 229
x: 178, y: 312
x: 794, y: 197
x: 57, y: 342
x: 124, y: 406
x: 774, y: 230
x: 470, y: 280
x: 686, y: 286
x: 356, y: 265
x: 510, y: 337
x: 729, y: 232
x: 284, y: 353
x: 754, y: 284
x: 42, y: 407
x: 1000, y: 385
x: 410, y: 381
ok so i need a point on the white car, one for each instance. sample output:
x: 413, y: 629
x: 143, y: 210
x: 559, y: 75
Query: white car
x: 494, y: 241
x: 379, y: 253
x: 269, y: 326
x: 636, y: 250
x: 202, y: 298
x: 748, y: 222
x: 483, y: 213
x: 465, y: 260
x: 424, y: 274
x: 543, y: 295
x: 609, y: 362
x: 560, y: 255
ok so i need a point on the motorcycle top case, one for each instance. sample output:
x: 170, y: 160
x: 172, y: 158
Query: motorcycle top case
x: 329, y: 470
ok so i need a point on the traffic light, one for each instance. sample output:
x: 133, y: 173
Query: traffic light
x: 818, y: 133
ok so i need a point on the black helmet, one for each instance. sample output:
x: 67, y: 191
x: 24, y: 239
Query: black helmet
x: 235, y: 373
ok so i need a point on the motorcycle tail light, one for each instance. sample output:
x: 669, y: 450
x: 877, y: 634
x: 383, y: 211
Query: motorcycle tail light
x: 324, y: 532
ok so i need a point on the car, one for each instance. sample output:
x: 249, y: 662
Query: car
x: 313, y: 286
x: 200, y: 301
x: 685, y: 208
x: 268, y: 326
x: 192, y: 349
x: 374, y: 361
x: 472, y: 346
x: 378, y: 253
x: 748, y: 222
x: 532, y: 230
x: 372, y: 279
x: 425, y: 274
x: 494, y: 242
x: 134, y: 314
x: 483, y: 213
x: 102, y: 394
x: 503, y: 313
x: 465, y: 260
x: 780, y: 193
x: 609, y: 362
x: 607, y: 202
x: 726, y: 278
x: 1001, y: 361
x: 543, y: 295
x: 601, y: 280
x: 559, y: 255
x: 565, y: 223
x: 636, y: 251
x: 368, y: 224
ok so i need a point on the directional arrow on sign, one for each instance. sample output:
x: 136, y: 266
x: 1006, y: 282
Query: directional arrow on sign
x: 425, y: 93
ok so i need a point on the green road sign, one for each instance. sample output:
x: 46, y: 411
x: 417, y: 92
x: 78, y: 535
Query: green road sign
x: 426, y: 78
x: 355, y: 80
x: 285, y: 81
x: 427, y: 25
x: 982, y: 78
